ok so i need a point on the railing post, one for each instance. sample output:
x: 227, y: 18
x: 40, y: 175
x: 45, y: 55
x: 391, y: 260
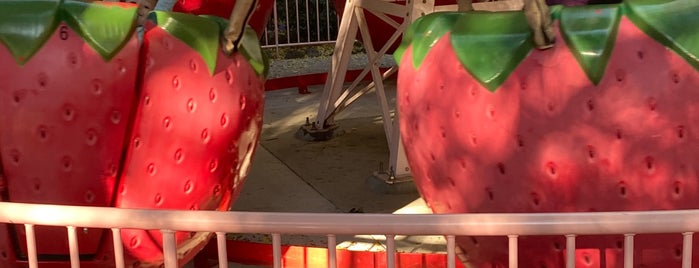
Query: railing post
x: 628, y: 250
x: 222, y: 252
x: 570, y: 251
x: 73, y: 247
x: 169, y: 248
x: 390, y: 251
x: 451, y: 251
x: 31, y: 246
x: 513, y: 254
x: 687, y: 238
x: 332, y: 251
x: 277, y: 250
x: 118, y: 248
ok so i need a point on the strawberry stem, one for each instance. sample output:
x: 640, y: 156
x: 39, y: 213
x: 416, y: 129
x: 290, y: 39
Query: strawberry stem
x: 249, y: 46
x: 202, y: 33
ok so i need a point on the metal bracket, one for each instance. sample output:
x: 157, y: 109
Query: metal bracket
x: 311, y: 132
x: 386, y: 182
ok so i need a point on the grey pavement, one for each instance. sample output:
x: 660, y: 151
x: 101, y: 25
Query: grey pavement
x: 293, y: 175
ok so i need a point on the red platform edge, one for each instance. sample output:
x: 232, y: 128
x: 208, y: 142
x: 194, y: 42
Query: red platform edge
x: 253, y: 253
x: 303, y: 81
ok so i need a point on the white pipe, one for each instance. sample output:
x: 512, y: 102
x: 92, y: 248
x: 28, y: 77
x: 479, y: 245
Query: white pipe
x: 222, y: 251
x: 390, y: 251
x: 628, y: 250
x: 687, y: 249
x: 73, y: 247
x: 169, y: 248
x: 670, y: 221
x: 277, y: 250
x: 513, y: 255
x: 627, y: 223
x: 332, y: 251
x: 298, y: 22
x: 570, y: 251
x: 118, y: 248
x: 451, y: 251
x: 31, y: 245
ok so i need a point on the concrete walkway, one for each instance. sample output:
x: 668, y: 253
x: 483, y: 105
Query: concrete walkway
x: 292, y: 175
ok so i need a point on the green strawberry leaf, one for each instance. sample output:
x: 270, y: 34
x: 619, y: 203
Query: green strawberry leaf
x: 199, y: 33
x: 252, y: 51
x: 590, y: 32
x: 105, y: 27
x: 671, y: 22
x: 26, y: 25
x: 424, y: 33
x: 491, y: 45
x: 249, y: 47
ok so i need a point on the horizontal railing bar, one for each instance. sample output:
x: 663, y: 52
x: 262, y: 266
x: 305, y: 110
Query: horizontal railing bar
x: 299, y: 44
x: 670, y: 221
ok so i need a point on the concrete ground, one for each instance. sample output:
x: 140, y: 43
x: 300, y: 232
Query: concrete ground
x: 289, y: 174
x: 311, y: 176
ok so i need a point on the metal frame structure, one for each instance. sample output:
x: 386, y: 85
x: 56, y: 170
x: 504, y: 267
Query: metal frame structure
x: 335, y: 97
x: 511, y: 225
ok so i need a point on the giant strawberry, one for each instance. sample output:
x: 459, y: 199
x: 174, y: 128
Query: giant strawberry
x: 196, y: 128
x: 90, y: 117
x: 67, y: 85
x: 605, y: 121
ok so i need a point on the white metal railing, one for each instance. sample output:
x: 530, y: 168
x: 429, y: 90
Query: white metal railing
x: 511, y: 225
x: 301, y: 22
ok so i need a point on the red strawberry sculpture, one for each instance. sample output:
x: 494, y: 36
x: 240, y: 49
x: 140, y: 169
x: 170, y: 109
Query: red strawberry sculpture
x: 198, y: 121
x: 88, y: 116
x: 607, y: 120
